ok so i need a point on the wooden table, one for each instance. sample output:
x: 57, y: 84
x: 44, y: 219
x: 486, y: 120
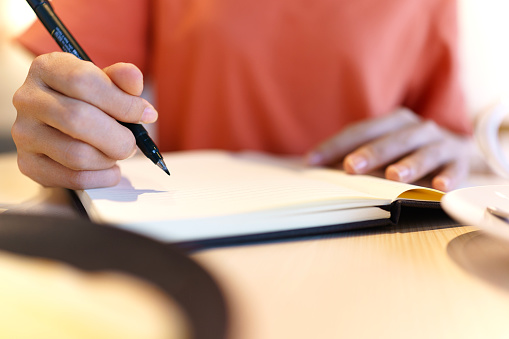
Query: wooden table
x: 427, y: 278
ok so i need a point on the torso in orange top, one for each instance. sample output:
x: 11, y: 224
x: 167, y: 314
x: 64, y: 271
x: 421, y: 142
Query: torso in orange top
x: 276, y: 75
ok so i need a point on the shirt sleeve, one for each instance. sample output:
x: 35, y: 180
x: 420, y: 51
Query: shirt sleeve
x: 109, y: 31
x: 436, y: 90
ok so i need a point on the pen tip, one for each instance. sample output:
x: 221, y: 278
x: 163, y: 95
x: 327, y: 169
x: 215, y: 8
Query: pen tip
x: 162, y: 166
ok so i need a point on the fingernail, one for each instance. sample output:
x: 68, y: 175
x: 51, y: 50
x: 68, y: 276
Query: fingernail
x: 399, y: 173
x: 442, y: 183
x: 355, y: 163
x: 314, y: 159
x: 149, y: 115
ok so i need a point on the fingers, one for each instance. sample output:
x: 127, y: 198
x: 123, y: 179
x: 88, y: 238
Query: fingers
x: 66, y: 130
x: 84, y: 81
x: 49, y: 173
x: 422, y: 149
x: 408, y: 147
x: 451, y: 176
x: 336, y: 148
x: 69, y: 152
x: 80, y: 121
x: 423, y: 161
x: 418, y: 164
x: 391, y: 147
x: 449, y: 156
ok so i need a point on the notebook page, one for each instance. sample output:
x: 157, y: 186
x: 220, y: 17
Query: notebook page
x: 375, y: 186
x: 207, y: 184
x: 368, y: 184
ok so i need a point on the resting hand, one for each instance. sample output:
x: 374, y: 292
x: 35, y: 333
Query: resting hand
x: 66, y: 131
x: 409, y: 148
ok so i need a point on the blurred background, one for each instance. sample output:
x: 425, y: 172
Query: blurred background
x: 15, y: 16
x: 484, y: 47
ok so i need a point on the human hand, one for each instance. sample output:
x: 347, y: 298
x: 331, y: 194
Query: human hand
x: 66, y: 130
x: 408, y: 147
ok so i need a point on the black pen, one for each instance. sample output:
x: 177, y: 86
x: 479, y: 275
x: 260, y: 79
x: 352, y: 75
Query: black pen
x: 67, y: 43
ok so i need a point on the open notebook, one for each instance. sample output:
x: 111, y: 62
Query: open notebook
x: 216, y: 195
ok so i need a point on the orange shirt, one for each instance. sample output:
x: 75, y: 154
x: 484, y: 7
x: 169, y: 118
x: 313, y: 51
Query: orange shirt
x: 275, y: 75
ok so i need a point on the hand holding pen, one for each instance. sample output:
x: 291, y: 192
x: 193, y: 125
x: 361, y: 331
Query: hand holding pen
x: 66, y: 130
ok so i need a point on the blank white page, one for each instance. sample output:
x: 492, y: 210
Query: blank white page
x: 207, y: 184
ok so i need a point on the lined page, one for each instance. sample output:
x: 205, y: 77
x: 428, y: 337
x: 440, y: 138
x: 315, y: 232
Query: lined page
x: 207, y: 184
x: 375, y: 186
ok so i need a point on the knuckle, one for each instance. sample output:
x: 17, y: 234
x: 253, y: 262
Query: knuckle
x: 79, y: 180
x: 21, y: 135
x: 408, y: 115
x: 73, y: 118
x: 76, y: 156
x: 17, y: 133
x: 78, y: 78
x: 39, y: 63
x: 430, y: 126
x: 93, y: 179
x: 127, y: 110
x: 81, y: 79
x: 42, y: 63
x: 126, y: 148
x: 19, y: 97
x: 26, y: 167
x: 23, y: 165
x: 432, y: 129
x: 26, y: 98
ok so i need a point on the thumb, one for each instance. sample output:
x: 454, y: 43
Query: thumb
x: 127, y: 77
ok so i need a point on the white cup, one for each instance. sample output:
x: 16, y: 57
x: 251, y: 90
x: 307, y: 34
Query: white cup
x: 488, y: 138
